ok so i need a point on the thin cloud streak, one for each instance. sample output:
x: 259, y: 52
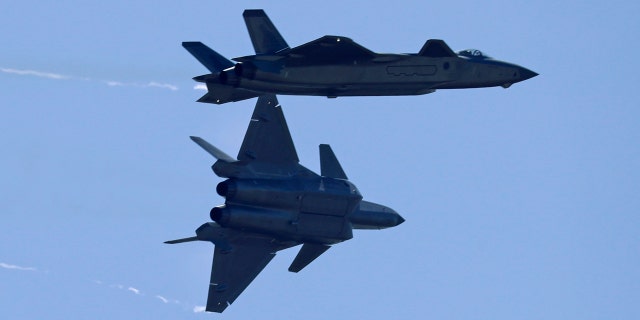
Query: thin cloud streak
x: 15, y: 267
x: 137, y: 291
x: 162, y: 85
x: 35, y: 73
x: 134, y: 290
x: 115, y: 84
x: 200, y: 87
x: 111, y: 83
x: 151, y: 84
x: 198, y: 309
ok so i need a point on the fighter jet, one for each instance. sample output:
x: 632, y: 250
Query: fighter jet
x: 336, y: 66
x: 274, y: 203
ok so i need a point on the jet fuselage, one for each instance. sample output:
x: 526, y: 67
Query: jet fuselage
x: 273, y: 203
x: 317, y: 210
x: 335, y: 66
x: 387, y: 74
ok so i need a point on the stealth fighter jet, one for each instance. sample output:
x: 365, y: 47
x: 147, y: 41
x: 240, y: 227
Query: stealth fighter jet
x: 273, y: 203
x: 336, y: 66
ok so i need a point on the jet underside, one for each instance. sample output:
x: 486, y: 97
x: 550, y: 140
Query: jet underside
x: 381, y: 76
x: 274, y: 203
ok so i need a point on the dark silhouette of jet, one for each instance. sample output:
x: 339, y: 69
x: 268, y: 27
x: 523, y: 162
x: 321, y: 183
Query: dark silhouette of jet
x: 273, y: 203
x: 336, y: 66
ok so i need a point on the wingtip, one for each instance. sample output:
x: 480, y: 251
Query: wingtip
x: 181, y: 240
x: 190, y: 43
x: 253, y: 13
x: 196, y: 139
x: 291, y: 269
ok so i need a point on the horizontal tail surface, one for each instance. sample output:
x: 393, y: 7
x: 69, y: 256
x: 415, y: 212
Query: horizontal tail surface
x: 221, y: 94
x: 182, y: 240
x: 214, y: 61
x: 217, y: 153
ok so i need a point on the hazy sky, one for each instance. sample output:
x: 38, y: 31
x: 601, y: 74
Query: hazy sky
x: 519, y: 204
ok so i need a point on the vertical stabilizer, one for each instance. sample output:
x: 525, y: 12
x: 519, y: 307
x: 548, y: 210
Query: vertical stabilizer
x: 329, y: 165
x: 265, y: 37
x: 306, y: 255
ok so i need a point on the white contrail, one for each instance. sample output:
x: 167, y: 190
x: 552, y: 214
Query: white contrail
x: 15, y: 267
x: 200, y: 87
x: 157, y: 296
x: 118, y: 286
x: 162, y: 85
x: 151, y: 84
x: 134, y: 290
x: 115, y: 83
x: 35, y: 73
x: 111, y: 83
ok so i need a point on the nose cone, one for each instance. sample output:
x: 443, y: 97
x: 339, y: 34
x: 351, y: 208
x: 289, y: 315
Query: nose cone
x: 371, y: 215
x: 526, y: 74
x: 519, y: 75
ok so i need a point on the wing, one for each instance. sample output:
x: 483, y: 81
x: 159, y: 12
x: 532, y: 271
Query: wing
x: 268, y: 138
x: 234, y: 268
x: 265, y: 37
x: 237, y: 259
x: 331, y: 49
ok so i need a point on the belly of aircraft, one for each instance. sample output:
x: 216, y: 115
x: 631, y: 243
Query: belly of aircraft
x: 375, y: 80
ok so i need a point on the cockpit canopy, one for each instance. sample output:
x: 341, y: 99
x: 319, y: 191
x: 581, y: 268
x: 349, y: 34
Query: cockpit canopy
x: 473, y: 54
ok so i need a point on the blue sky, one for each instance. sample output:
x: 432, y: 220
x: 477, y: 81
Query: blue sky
x: 519, y: 204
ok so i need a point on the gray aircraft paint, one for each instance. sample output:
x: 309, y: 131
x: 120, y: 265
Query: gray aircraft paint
x: 273, y: 203
x: 335, y: 66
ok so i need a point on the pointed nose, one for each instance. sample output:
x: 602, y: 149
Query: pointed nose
x: 399, y: 220
x: 526, y: 74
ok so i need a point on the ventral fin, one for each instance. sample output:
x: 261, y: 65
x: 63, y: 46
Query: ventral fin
x: 308, y: 253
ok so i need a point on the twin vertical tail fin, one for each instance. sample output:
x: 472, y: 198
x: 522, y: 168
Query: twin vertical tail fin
x: 265, y: 37
x: 217, y: 93
x: 266, y: 40
x: 329, y: 165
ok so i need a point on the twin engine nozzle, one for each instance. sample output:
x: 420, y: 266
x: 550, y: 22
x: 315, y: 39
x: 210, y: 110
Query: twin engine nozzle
x: 231, y: 76
x: 227, y: 189
x: 217, y: 214
x: 249, y: 201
